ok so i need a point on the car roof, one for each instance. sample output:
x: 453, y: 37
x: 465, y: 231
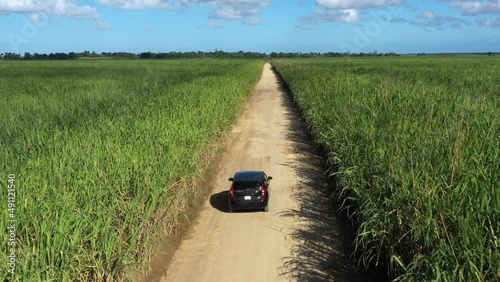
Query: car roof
x: 248, y: 175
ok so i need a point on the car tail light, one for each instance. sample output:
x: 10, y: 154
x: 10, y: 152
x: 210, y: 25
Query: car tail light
x: 264, y: 191
x: 231, y: 192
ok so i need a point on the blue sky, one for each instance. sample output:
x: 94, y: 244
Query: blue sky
x: 249, y: 25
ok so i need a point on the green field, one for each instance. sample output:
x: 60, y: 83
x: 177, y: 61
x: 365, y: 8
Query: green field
x: 414, y: 144
x: 102, y: 151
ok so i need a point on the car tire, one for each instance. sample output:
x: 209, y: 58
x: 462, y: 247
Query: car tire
x: 266, y: 209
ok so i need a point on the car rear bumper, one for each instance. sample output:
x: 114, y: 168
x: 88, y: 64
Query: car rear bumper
x: 242, y: 205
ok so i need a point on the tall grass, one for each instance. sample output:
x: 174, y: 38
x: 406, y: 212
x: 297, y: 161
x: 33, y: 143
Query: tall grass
x: 415, y: 146
x: 101, y: 151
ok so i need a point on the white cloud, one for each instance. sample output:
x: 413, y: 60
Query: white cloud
x: 246, y: 10
x: 348, y: 16
x: 429, y: 15
x: 476, y: 7
x: 431, y: 19
x: 65, y: 8
x: 320, y: 16
x: 356, y: 4
x: 101, y: 25
x: 37, y: 17
x: 222, y: 9
x: 343, y: 10
x: 236, y: 9
x: 254, y: 21
x: 489, y: 22
x: 145, y: 4
x: 227, y: 12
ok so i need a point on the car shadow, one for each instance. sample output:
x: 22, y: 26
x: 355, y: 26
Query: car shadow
x: 325, y: 242
x: 219, y: 201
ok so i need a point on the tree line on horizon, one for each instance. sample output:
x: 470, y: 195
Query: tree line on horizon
x: 219, y: 54
x: 180, y: 55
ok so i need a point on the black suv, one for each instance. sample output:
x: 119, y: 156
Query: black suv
x: 249, y: 190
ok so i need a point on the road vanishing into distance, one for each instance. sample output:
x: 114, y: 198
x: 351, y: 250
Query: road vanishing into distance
x: 299, y: 239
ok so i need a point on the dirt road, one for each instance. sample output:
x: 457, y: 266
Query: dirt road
x: 299, y: 239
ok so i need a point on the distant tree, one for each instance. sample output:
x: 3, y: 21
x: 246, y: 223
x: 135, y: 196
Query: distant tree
x: 388, y: 54
x: 146, y: 55
x: 27, y: 56
x: 11, y: 56
x: 37, y: 56
x: 61, y: 56
x: 190, y: 55
x: 156, y: 56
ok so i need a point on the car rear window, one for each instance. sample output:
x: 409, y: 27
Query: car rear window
x: 243, y: 185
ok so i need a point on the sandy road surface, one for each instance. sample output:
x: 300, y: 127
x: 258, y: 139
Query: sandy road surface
x: 299, y: 239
